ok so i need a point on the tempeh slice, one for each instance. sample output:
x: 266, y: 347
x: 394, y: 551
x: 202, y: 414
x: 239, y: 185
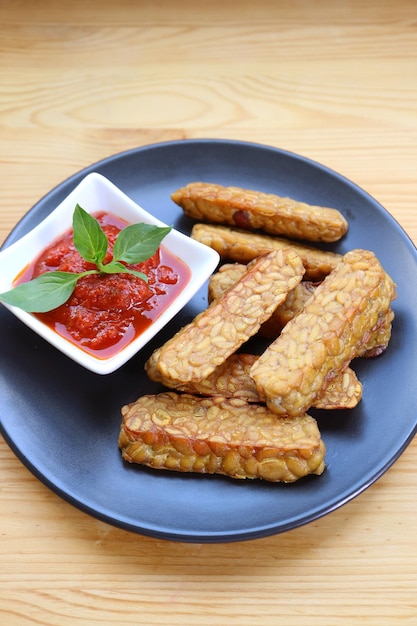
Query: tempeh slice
x: 218, y: 436
x: 238, y: 245
x: 343, y: 392
x: 232, y: 379
x: 344, y: 311
x: 229, y: 273
x: 253, y: 210
x: 218, y: 331
x: 379, y: 340
x: 226, y: 276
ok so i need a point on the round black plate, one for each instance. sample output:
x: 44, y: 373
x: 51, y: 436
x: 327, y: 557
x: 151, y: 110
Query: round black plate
x: 63, y: 421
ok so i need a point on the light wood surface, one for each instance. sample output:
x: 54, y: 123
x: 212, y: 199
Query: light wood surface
x: 333, y: 81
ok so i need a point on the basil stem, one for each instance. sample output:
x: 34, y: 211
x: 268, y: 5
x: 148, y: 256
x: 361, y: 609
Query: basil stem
x: 115, y: 267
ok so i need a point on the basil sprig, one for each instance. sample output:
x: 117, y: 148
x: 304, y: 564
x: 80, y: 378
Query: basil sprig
x: 134, y: 244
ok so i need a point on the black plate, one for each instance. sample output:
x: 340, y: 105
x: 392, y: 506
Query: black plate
x: 63, y: 421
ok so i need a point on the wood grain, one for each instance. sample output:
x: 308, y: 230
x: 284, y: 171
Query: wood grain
x: 334, y: 81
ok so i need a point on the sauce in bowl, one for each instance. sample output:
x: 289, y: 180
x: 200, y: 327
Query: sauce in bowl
x: 108, y: 311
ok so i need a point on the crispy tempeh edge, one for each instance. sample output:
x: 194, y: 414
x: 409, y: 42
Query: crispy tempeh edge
x: 229, y: 273
x: 241, y: 246
x: 253, y: 210
x: 232, y: 379
x: 219, y: 436
x: 350, y: 304
x: 218, y: 331
x: 343, y: 392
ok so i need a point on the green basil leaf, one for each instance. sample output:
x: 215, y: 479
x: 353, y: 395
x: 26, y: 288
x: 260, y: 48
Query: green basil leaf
x: 138, y: 242
x: 89, y: 238
x: 44, y: 293
x: 115, y: 267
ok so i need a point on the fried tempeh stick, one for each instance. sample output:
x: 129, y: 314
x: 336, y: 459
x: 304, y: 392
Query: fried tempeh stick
x: 241, y: 246
x: 350, y: 305
x: 199, y: 347
x: 229, y: 273
x: 232, y: 379
x: 253, y: 210
x: 218, y: 436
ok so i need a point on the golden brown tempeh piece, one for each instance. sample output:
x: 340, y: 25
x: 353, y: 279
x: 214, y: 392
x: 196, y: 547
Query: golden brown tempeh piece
x: 379, y: 340
x: 253, y: 210
x: 241, y: 246
x: 226, y: 276
x: 218, y: 436
x: 343, y: 392
x: 198, y: 348
x: 350, y: 304
x: 229, y: 273
x: 232, y: 379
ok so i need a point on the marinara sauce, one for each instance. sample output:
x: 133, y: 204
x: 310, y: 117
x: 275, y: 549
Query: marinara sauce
x: 107, y: 311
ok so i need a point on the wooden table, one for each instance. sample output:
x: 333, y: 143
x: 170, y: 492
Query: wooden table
x: 333, y: 81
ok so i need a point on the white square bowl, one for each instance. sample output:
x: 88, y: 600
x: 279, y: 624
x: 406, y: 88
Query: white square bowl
x: 96, y: 193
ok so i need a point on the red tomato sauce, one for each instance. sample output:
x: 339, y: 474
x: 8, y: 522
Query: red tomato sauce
x: 107, y: 311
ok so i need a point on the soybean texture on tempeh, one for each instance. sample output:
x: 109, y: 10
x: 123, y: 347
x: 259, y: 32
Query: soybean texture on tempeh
x: 255, y: 210
x: 218, y: 331
x: 344, y: 311
x: 241, y: 246
x: 185, y: 433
